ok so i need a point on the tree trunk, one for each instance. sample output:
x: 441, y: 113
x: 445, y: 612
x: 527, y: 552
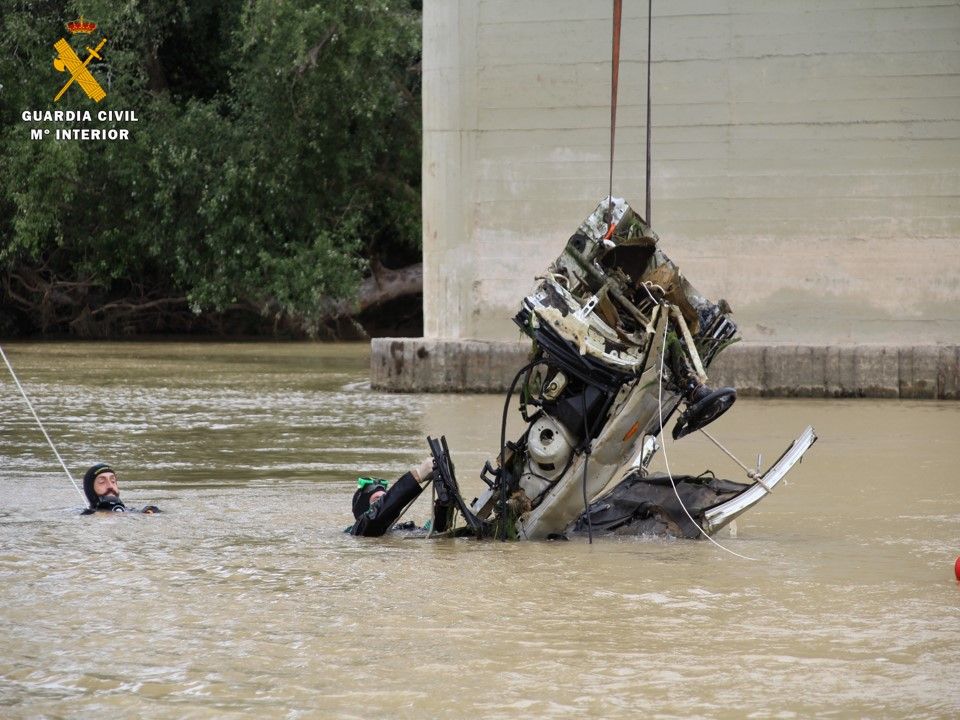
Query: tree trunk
x: 383, y: 286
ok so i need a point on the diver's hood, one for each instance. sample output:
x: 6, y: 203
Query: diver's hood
x: 88, y: 479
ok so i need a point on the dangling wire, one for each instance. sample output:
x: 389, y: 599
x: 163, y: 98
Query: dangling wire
x: 40, y: 424
x: 502, y: 501
x: 586, y: 461
x: 666, y: 461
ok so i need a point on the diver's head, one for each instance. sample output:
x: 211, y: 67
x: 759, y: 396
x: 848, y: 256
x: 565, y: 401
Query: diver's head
x: 369, y: 491
x: 100, y: 481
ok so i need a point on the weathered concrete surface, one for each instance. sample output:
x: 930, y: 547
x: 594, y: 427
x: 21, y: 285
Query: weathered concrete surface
x: 423, y: 365
x: 881, y: 371
x: 805, y: 159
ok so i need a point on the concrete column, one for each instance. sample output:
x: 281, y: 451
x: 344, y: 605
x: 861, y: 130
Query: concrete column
x: 449, y: 137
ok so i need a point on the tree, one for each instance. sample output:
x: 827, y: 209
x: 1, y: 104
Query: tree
x: 276, y: 151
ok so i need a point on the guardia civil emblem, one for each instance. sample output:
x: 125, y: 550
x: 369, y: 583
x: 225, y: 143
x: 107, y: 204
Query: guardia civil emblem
x: 67, y: 60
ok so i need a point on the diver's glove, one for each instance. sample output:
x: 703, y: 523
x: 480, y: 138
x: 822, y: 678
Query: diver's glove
x: 424, y: 471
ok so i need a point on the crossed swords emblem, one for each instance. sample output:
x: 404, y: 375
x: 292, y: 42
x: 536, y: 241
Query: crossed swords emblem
x: 68, y: 60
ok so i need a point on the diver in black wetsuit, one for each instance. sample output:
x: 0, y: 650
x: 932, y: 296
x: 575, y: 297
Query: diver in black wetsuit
x: 103, y: 493
x: 377, y: 505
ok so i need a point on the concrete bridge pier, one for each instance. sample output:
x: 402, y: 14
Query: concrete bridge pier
x: 875, y: 371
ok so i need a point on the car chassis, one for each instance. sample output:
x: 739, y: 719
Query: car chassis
x: 621, y: 340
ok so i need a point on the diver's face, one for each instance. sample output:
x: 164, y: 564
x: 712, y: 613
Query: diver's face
x: 376, y: 496
x: 106, y: 484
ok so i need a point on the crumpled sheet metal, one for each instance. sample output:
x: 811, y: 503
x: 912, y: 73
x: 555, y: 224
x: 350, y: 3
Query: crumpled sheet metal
x: 648, y: 506
x: 603, y: 291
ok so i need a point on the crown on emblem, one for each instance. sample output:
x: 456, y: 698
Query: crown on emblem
x: 81, y: 26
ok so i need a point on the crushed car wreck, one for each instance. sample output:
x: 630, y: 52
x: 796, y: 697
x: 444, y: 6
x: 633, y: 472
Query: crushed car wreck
x: 621, y: 343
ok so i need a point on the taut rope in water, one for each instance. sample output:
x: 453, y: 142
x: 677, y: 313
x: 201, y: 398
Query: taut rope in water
x: 40, y: 424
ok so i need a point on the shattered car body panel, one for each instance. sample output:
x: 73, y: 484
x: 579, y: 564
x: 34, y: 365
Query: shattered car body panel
x: 647, y: 505
x: 621, y: 340
x: 683, y: 506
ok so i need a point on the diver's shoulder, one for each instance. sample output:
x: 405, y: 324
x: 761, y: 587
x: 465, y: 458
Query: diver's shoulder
x: 120, y: 508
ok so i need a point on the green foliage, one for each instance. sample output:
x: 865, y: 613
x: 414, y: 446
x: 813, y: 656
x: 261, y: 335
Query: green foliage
x: 277, y: 148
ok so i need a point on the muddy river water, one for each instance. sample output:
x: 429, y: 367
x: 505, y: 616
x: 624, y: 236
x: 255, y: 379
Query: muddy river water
x: 245, y: 599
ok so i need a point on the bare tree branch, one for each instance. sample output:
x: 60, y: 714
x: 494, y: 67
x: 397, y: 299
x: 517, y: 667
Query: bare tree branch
x: 310, y: 60
x: 381, y: 287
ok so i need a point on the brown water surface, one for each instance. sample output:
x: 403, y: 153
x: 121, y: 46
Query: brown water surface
x: 245, y: 599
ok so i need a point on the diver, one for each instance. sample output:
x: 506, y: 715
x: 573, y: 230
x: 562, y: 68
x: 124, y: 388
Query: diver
x: 377, y: 505
x: 103, y: 493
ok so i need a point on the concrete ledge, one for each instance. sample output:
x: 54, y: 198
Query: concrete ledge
x: 878, y: 371
x: 422, y: 365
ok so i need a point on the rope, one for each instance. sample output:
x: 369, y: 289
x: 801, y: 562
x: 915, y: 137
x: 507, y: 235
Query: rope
x: 40, y: 424
x: 666, y: 462
x: 614, y: 81
x: 407, y: 507
x: 752, y: 474
x: 649, y: 42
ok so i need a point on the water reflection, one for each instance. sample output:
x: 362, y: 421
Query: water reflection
x: 245, y: 599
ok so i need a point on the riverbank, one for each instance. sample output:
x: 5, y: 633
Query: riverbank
x: 877, y: 371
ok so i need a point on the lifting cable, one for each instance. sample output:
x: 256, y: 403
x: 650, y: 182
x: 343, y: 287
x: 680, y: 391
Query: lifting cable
x: 617, y: 8
x: 614, y: 83
x: 649, y: 44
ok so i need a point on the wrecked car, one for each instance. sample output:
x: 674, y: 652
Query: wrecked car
x: 621, y: 344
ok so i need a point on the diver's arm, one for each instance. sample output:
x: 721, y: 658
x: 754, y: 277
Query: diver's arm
x: 384, y: 513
